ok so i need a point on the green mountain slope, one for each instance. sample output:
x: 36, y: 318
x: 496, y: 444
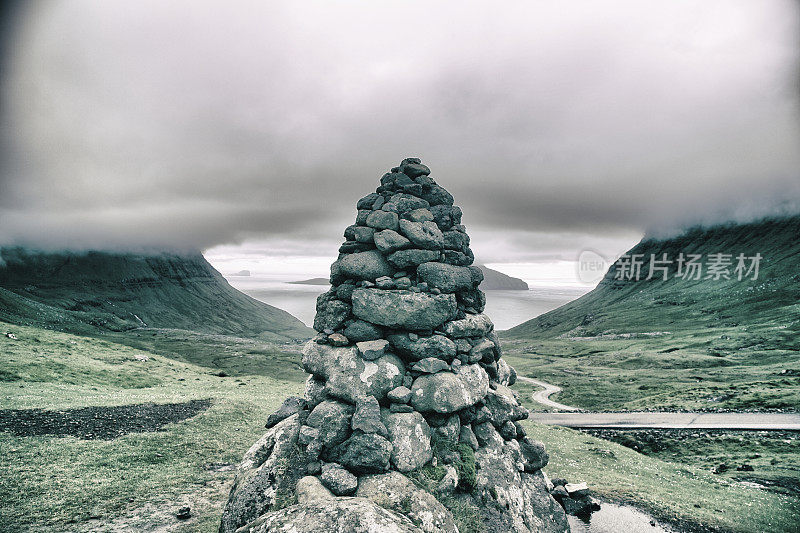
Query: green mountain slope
x: 678, y: 344
x: 95, y: 292
x: 648, y: 306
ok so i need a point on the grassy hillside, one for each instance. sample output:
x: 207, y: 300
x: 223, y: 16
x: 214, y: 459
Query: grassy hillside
x: 137, y: 481
x: 655, y: 305
x: 679, y: 344
x: 97, y: 292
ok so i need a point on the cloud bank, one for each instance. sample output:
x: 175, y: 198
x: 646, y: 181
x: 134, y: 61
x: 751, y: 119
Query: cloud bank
x: 555, y: 126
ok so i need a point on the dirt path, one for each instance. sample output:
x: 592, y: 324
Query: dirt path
x: 543, y: 396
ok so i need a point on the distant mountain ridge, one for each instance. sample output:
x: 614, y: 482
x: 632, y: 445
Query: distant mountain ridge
x: 108, y: 291
x: 492, y: 280
x: 617, y: 306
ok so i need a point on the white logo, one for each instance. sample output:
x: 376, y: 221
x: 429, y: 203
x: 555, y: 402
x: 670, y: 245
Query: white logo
x: 591, y: 266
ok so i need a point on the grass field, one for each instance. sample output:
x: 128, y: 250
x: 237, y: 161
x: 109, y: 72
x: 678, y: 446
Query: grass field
x: 733, y: 368
x: 138, y: 481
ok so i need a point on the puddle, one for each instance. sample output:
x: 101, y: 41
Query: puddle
x: 613, y: 518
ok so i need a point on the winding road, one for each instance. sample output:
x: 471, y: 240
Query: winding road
x: 652, y: 420
x: 543, y: 396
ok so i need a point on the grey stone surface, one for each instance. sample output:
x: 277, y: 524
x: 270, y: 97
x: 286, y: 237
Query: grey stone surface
x: 359, y: 233
x: 360, y: 330
x: 419, y: 215
x: 399, y: 395
x: 470, y: 326
x: 332, y: 419
x: 362, y: 265
x: 398, y: 493
x: 402, y: 309
x: 367, y: 417
x: 290, y: 406
x: 447, y: 278
x: 413, y: 258
x: 348, y: 376
x: 411, y: 438
x: 425, y: 235
x: 255, y: 489
x: 389, y: 241
x: 423, y: 347
x: 338, y: 480
x: 446, y: 392
x: 365, y: 453
x: 383, y: 220
x: 408, y: 202
x: 309, y: 489
x: 430, y: 365
x: 371, y: 350
x: 337, y: 515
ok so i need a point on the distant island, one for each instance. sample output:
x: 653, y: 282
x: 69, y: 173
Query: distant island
x: 241, y: 273
x: 492, y: 281
x: 312, y: 281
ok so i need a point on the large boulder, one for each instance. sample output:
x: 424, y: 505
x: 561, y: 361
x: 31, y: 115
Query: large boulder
x: 396, y: 492
x: 447, y: 278
x: 503, y: 406
x: 425, y: 235
x: 332, y: 419
x: 446, y: 392
x: 403, y: 309
x: 411, y: 440
x: 365, y: 453
x: 362, y: 265
x: 423, y: 347
x: 267, y: 475
x: 413, y: 258
x: 525, y: 503
x: 348, y: 376
x: 389, y: 241
x: 334, y: 515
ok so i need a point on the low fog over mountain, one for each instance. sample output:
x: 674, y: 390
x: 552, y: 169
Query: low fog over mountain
x: 556, y: 127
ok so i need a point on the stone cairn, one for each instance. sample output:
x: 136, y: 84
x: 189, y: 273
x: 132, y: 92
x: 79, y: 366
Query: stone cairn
x: 407, y: 423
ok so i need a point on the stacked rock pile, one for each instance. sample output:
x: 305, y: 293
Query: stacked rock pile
x: 408, y: 404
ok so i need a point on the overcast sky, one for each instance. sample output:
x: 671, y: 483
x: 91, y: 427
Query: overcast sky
x: 256, y: 126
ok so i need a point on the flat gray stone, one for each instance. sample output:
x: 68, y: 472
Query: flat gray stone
x: 412, y: 258
x: 403, y: 309
x: 447, y: 278
x: 469, y: 326
x: 371, y: 350
x: 430, y: 365
x: 425, y: 235
x: 389, y: 241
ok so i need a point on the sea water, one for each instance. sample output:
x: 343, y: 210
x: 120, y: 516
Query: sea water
x: 505, y: 308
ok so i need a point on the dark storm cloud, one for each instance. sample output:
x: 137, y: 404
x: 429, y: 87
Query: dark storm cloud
x: 190, y: 124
